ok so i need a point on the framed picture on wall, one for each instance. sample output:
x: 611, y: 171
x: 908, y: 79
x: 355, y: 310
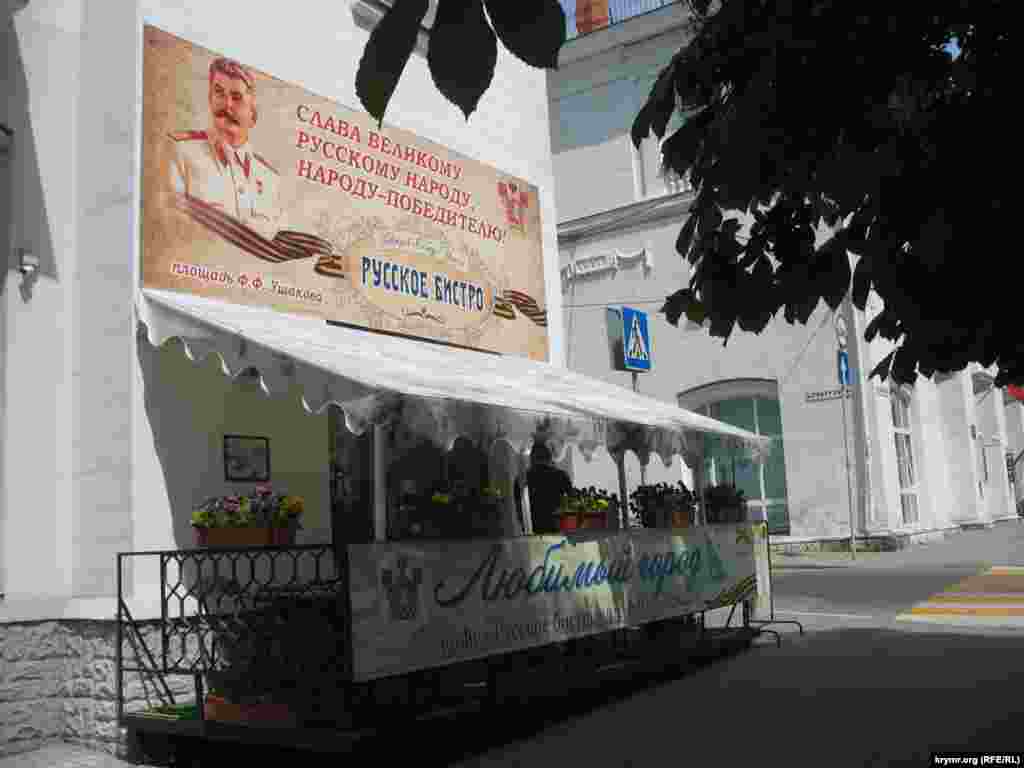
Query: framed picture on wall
x: 246, y: 459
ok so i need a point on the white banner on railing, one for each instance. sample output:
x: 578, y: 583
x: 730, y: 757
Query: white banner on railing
x: 417, y: 605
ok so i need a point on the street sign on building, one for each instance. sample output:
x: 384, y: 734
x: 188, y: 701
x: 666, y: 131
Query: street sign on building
x: 843, y: 365
x: 636, y: 340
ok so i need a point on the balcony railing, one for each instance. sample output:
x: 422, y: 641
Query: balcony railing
x: 604, y: 13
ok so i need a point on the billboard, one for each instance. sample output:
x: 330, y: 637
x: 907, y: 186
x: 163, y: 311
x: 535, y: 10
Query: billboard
x: 257, y: 191
x: 423, y: 604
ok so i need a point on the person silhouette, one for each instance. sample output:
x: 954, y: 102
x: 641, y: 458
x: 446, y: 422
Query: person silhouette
x: 547, y: 484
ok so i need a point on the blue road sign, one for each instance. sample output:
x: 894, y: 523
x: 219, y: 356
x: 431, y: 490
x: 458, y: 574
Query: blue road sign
x: 636, y: 346
x: 843, y: 365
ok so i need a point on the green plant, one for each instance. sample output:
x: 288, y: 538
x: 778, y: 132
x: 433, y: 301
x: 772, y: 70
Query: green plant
x: 586, y: 501
x: 492, y: 492
x: 646, y: 499
x: 260, y: 509
x: 725, y: 503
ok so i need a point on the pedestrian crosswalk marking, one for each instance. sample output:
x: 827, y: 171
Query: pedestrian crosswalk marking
x: 992, y: 597
x: 960, y: 597
x: 969, y: 610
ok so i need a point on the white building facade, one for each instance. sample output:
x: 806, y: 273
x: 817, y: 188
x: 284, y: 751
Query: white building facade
x: 106, y: 442
x: 907, y: 463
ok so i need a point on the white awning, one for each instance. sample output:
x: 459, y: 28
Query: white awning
x: 433, y: 390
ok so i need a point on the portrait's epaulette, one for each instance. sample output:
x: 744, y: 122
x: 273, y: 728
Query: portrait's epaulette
x: 264, y: 162
x: 187, y: 135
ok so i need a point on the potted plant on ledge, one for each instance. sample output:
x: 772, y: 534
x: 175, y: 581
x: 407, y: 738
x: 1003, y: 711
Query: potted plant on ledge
x: 260, y: 519
x: 662, y: 505
x: 725, y: 503
x: 585, y: 508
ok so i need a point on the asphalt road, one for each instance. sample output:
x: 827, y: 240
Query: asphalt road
x: 878, y: 586
x: 859, y: 688
x: 878, y: 593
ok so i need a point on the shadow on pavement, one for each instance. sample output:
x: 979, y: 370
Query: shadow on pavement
x: 842, y: 697
x: 835, y: 697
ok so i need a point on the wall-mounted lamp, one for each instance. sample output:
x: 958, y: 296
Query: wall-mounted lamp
x: 28, y: 262
x: 28, y: 265
x: 6, y: 138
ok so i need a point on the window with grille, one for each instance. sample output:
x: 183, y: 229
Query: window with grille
x: 904, y: 457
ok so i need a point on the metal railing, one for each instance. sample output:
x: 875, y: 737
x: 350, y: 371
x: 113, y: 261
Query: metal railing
x: 618, y: 11
x: 245, y: 617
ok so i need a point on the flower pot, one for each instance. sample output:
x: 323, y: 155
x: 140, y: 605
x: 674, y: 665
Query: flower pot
x: 263, y: 713
x: 680, y: 518
x: 244, y: 537
x: 283, y: 537
x: 567, y: 523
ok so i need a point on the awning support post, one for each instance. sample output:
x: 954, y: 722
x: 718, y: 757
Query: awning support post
x: 622, y: 513
x: 380, y: 498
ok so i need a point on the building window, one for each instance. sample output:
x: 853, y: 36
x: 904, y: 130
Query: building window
x: 588, y: 16
x: 905, y: 457
x: 763, y: 483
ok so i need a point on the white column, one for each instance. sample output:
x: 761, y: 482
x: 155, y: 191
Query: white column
x: 956, y: 399
x: 1014, y: 413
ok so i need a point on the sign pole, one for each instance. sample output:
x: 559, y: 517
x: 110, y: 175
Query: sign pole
x: 636, y: 388
x: 849, y: 486
x: 843, y: 366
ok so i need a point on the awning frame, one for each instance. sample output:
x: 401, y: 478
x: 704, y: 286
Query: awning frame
x: 518, y: 400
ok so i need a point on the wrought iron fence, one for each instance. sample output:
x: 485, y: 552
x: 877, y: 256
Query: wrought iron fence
x: 243, y: 620
x: 618, y: 11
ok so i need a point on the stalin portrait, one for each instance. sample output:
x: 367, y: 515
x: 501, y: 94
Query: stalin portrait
x: 216, y: 171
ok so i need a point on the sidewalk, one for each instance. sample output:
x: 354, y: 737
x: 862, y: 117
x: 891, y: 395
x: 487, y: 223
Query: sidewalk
x: 999, y: 546
x: 62, y: 756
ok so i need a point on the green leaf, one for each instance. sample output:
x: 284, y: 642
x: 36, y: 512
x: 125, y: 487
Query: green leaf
x: 675, y: 305
x: 533, y: 30
x: 658, y: 108
x: 463, y: 52
x: 685, y: 238
x: 862, y: 282
x: 390, y: 45
x: 681, y: 148
x: 710, y: 214
x: 696, y: 312
x: 721, y: 325
x: 904, y: 365
x: 835, y: 277
x: 882, y: 370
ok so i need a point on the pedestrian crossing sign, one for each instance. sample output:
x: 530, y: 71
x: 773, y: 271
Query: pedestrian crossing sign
x: 637, y: 340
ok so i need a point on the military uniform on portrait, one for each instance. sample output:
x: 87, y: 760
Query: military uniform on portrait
x: 236, y: 181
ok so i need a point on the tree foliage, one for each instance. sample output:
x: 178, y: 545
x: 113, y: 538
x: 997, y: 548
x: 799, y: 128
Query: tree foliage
x: 815, y: 131
x: 858, y: 123
x: 463, y: 49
